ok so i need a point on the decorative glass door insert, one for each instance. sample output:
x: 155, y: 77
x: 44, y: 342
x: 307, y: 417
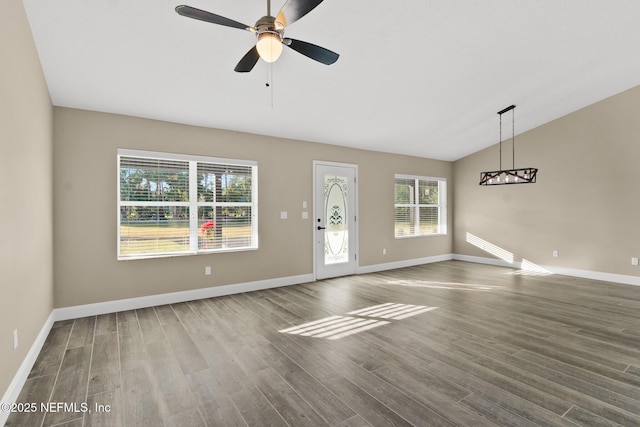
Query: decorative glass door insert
x: 335, y: 219
x: 336, y: 239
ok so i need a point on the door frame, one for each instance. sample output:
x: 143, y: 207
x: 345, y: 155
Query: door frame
x: 314, y: 212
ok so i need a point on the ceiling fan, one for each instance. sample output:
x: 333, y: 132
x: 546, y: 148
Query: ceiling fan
x: 269, y: 31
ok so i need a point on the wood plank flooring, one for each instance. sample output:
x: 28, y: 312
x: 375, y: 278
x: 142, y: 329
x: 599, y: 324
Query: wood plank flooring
x: 443, y: 344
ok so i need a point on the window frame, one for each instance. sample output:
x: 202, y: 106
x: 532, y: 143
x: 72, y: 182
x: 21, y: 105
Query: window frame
x: 441, y: 205
x: 192, y: 204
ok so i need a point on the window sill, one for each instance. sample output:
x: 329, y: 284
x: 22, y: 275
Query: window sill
x: 420, y: 235
x: 183, y: 254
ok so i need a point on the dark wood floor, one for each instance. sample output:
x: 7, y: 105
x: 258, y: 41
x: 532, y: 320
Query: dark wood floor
x: 443, y: 344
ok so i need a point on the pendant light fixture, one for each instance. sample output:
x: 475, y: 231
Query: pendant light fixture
x: 509, y: 176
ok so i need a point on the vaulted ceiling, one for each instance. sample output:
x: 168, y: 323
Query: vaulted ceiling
x: 418, y: 77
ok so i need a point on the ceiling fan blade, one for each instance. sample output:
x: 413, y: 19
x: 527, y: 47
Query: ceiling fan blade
x: 248, y: 61
x: 294, y: 10
x: 312, y: 51
x: 202, y: 15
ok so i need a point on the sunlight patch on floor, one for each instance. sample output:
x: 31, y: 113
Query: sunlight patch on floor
x: 336, y: 327
x: 528, y: 268
x: 442, y: 285
x: 392, y: 311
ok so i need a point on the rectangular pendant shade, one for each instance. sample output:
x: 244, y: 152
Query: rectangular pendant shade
x: 509, y: 176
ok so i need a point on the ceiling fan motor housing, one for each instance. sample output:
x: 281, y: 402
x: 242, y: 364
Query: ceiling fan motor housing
x: 268, y: 24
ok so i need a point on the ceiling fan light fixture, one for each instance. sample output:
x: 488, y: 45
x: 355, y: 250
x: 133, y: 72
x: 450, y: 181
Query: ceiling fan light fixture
x: 270, y: 33
x: 269, y: 46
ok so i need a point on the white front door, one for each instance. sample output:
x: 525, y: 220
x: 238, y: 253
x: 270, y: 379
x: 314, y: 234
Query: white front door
x: 335, y: 231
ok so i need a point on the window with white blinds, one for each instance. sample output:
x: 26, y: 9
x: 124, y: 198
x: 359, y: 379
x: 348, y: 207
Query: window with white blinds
x: 172, y: 204
x: 420, y: 206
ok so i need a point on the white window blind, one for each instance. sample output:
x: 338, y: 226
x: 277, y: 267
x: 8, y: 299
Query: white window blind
x: 420, y: 206
x: 171, y: 204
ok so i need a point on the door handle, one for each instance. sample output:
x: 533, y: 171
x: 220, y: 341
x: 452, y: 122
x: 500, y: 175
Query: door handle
x: 322, y: 228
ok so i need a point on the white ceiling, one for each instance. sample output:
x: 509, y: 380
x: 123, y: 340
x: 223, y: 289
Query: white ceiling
x: 418, y: 77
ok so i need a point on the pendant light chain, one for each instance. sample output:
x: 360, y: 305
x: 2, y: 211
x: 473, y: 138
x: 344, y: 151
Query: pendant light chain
x: 500, y: 141
x: 513, y: 138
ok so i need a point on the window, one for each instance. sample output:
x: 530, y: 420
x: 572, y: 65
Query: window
x: 420, y: 206
x: 173, y: 204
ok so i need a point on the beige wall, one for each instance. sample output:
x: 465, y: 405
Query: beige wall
x: 85, y: 179
x: 26, y: 276
x: 586, y: 203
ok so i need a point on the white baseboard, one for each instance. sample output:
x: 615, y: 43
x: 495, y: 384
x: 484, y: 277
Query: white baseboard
x: 12, y: 393
x: 595, y: 275
x: 565, y: 271
x: 401, y: 264
x: 95, y: 309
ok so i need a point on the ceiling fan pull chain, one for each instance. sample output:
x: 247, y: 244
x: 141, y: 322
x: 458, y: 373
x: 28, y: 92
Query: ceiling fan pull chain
x: 269, y: 83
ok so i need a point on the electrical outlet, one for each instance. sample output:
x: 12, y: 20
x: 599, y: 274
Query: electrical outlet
x: 384, y: 251
x: 207, y: 270
x: 634, y: 261
x: 556, y: 254
x: 15, y: 339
